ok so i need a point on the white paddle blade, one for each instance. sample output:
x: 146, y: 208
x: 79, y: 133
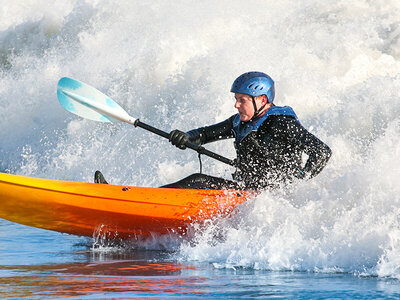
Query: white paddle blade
x: 87, y: 102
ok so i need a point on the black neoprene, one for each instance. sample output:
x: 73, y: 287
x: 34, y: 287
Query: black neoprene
x: 273, y: 154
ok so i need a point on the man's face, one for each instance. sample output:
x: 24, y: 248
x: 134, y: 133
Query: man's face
x: 244, y: 105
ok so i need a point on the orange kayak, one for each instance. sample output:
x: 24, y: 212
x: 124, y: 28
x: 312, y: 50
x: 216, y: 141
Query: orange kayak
x: 118, y: 211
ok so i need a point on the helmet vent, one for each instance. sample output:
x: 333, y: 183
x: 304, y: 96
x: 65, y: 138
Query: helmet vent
x: 256, y: 87
x: 261, y: 88
x: 249, y: 87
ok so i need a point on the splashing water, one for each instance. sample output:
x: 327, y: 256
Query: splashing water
x: 171, y: 64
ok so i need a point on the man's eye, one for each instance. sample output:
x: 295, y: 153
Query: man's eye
x: 241, y: 100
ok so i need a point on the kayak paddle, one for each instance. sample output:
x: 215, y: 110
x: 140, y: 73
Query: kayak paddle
x: 89, y: 103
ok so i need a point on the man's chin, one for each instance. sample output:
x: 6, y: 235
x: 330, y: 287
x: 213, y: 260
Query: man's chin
x: 244, y: 118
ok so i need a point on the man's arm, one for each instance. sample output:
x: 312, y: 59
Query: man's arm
x: 208, y: 134
x: 318, y: 152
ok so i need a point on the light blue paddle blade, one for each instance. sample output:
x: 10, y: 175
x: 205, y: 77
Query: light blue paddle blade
x: 87, y: 102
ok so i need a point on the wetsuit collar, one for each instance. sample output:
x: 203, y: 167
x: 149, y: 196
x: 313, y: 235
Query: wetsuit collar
x: 242, y: 129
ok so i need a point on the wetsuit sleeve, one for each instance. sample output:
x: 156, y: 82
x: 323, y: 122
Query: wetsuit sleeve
x: 208, y: 134
x: 318, y: 152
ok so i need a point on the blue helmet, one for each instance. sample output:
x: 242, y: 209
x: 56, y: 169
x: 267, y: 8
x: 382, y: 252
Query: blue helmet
x: 254, y: 84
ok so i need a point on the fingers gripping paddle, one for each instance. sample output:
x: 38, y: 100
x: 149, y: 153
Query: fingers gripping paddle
x: 89, y: 103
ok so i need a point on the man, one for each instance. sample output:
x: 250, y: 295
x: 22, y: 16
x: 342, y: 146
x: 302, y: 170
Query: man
x: 269, y: 141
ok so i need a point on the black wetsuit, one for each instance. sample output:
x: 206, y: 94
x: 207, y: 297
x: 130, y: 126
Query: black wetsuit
x: 266, y: 157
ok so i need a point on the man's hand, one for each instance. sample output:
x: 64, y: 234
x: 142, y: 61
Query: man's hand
x: 178, y: 138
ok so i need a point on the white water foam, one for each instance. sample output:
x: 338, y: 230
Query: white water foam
x: 171, y: 64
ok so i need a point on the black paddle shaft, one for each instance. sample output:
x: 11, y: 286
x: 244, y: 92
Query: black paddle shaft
x: 193, y: 146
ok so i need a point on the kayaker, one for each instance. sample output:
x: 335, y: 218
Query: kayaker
x: 269, y: 141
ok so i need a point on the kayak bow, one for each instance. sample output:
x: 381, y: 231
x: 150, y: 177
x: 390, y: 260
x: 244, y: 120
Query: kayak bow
x: 126, y: 212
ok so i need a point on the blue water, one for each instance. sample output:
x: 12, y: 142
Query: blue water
x: 40, y: 264
x: 171, y: 64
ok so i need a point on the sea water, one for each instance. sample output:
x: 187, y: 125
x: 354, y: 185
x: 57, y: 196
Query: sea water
x: 171, y: 64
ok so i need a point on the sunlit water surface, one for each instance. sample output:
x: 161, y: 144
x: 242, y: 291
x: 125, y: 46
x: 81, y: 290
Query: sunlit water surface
x: 39, y: 264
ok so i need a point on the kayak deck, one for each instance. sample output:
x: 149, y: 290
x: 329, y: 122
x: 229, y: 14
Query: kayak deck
x: 127, y: 212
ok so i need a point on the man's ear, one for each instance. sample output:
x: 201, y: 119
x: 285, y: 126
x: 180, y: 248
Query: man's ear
x: 264, y: 99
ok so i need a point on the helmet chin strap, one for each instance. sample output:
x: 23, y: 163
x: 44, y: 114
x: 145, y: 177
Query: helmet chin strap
x: 256, y: 111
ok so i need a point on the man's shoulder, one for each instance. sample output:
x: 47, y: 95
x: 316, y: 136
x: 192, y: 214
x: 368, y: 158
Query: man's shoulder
x: 280, y: 123
x: 282, y: 111
x: 281, y: 119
